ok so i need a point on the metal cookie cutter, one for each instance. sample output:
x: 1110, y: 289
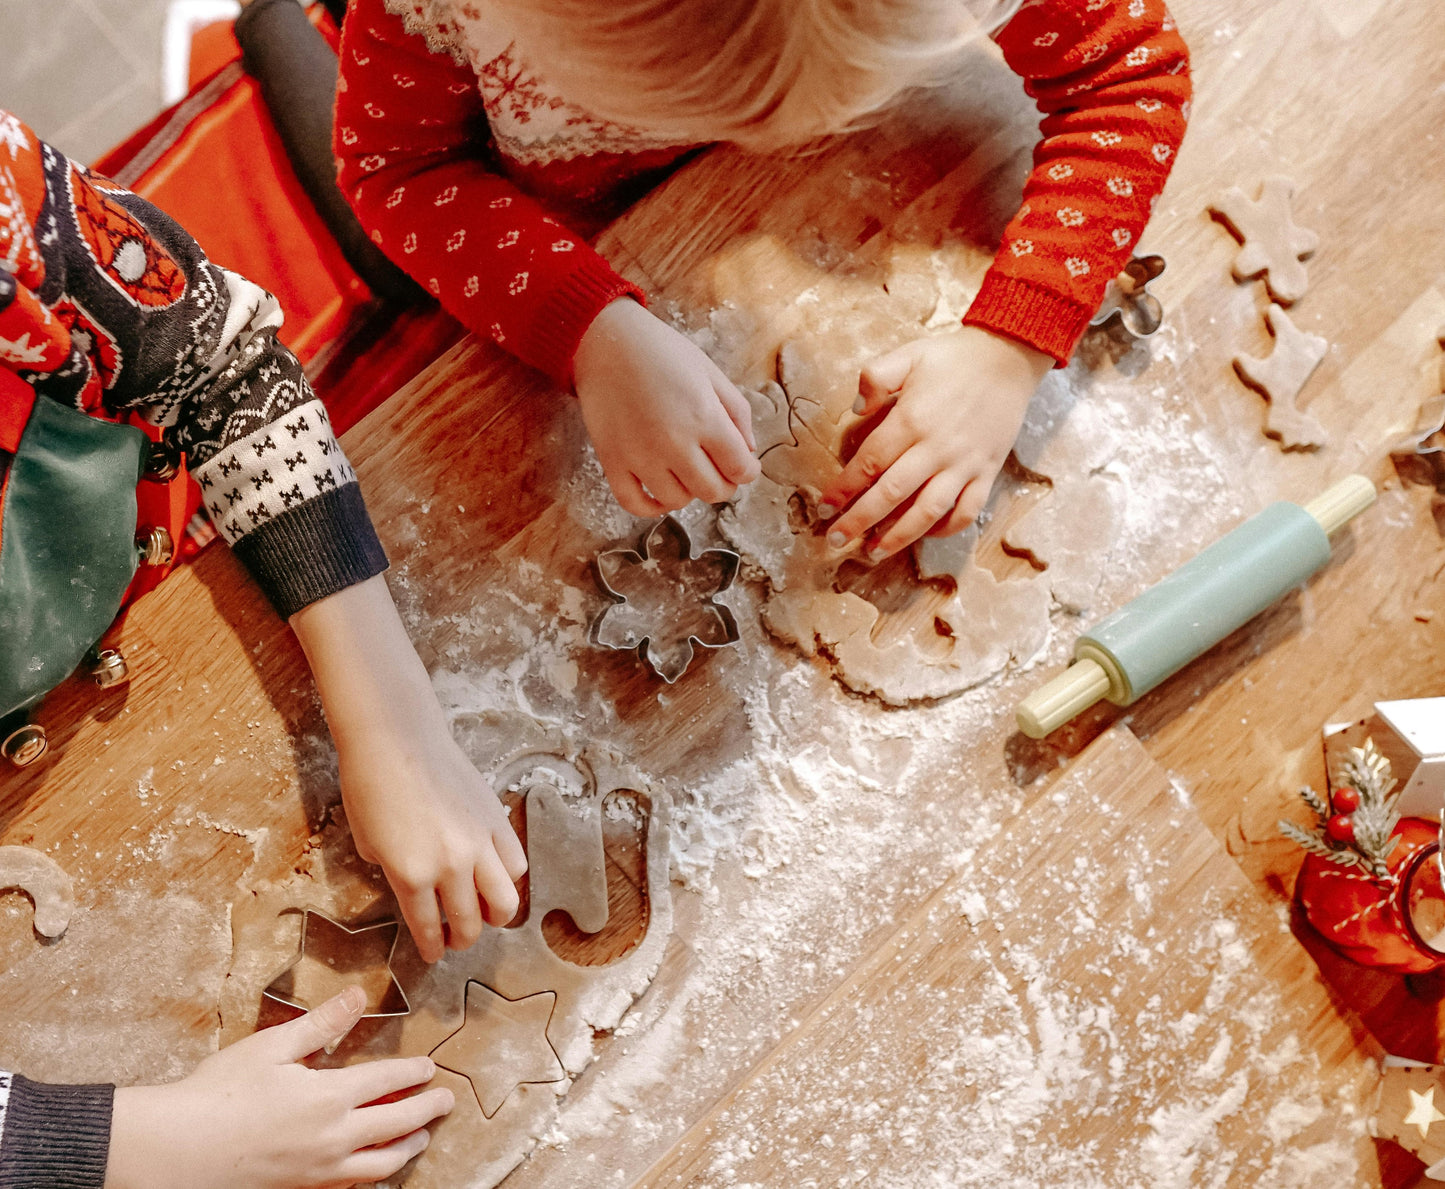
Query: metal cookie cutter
x: 663, y: 599
x: 1127, y: 296
x: 333, y: 957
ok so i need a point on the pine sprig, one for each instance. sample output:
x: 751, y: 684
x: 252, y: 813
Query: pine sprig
x: 1367, y: 771
x: 1316, y: 802
x: 1317, y: 844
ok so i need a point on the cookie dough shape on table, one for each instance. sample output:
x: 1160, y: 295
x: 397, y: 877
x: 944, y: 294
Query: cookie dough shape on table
x: 1272, y: 244
x: 564, y: 786
x: 46, y: 883
x: 801, y: 422
x: 1280, y: 377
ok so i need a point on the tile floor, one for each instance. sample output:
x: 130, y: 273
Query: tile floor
x: 83, y: 73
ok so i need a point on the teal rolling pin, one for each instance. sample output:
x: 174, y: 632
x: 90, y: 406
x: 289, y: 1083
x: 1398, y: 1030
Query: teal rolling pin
x: 1195, y: 607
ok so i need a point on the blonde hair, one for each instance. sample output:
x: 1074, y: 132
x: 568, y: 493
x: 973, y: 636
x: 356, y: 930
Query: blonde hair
x: 765, y: 74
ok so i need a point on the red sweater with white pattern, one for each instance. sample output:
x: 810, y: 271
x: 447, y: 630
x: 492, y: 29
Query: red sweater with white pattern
x: 459, y: 160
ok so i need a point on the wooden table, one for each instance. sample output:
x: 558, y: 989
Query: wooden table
x: 915, y: 960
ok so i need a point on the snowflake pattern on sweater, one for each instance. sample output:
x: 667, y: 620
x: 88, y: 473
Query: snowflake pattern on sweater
x: 454, y: 151
x: 108, y: 306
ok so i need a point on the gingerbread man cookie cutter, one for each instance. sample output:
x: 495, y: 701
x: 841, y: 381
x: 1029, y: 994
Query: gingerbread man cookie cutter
x: 664, y: 599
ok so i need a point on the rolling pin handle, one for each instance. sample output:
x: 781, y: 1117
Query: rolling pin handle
x: 1336, y: 506
x: 1070, y: 693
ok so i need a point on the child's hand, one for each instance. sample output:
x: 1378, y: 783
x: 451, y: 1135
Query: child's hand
x: 415, y: 803
x: 418, y: 807
x: 667, y: 425
x: 252, y: 1117
x: 958, y: 401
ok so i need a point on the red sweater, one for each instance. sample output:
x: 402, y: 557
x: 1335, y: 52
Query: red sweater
x: 455, y: 154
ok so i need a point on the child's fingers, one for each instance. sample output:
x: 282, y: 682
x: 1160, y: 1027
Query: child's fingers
x: 934, y: 503
x: 965, y: 511
x: 668, y: 489
x: 315, y: 1030
x: 370, y: 1080
x: 704, y: 480
x: 732, y: 456
x: 376, y: 1164
x: 423, y: 917
x: 464, y: 913
x: 880, y: 450
x: 386, y: 1122
x: 741, y: 415
x: 883, y: 377
x: 496, y: 888
x: 630, y: 494
x: 892, y: 488
x: 510, y: 851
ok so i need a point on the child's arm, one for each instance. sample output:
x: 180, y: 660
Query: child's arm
x: 1112, y: 79
x: 410, y: 130
x: 194, y: 347
x: 414, y: 802
x: 253, y: 1117
x: 248, y: 1117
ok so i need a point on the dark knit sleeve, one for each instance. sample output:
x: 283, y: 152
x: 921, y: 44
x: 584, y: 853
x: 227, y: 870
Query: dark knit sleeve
x: 53, y: 1137
x: 117, y: 306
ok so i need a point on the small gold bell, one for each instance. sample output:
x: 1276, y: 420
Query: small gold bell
x: 109, y: 668
x: 156, y: 547
x: 24, y: 746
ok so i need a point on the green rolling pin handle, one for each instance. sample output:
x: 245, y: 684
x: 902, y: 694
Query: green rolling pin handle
x: 1094, y: 675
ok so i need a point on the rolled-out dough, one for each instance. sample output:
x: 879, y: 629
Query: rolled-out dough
x: 1280, y: 377
x: 983, y: 625
x: 1272, y: 244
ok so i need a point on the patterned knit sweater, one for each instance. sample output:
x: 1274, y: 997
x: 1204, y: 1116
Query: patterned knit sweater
x: 108, y: 306
x: 455, y: 150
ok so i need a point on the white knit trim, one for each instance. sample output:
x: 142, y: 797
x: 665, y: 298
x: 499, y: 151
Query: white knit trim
x: 273, y: 469
x: 433, y: 22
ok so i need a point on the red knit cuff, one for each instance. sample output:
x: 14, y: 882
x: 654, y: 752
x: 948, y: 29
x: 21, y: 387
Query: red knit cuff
x: 563, y: 318
x: 1030, y: 314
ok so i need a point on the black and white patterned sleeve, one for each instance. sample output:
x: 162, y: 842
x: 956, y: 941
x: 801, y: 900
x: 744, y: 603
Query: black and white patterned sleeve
x: 53, y: 1137
x: 193, y: 347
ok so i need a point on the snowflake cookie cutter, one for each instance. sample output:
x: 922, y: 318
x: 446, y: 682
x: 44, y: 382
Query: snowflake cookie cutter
x: 332, y: 957
x: 1128, y: 298
x: 663, y: 599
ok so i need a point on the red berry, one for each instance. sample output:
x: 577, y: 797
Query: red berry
x: 1346, y: 800
x: 1341, y: 828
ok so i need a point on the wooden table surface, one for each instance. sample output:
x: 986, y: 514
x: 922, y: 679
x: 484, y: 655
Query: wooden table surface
x: 902, y: 954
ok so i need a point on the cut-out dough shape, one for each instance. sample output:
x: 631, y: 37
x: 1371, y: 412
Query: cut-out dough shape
x: 557, y: 777
x: 984, y: 624
x: 665, y: 599
x: 502, y: 1045
x: 1271, y: 242
x: 1281, y: 376
x: 44, y: 881
x: 333, y: 957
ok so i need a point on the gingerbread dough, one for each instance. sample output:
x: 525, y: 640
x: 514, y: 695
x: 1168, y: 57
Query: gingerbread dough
x: 982, y: 625
x: 44, y: 881
x: 510, y: 1022
x: 1281, y: 376
x: 1272, y: 244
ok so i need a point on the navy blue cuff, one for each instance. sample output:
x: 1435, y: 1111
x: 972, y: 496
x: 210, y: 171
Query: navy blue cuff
x: 313, y: 550
x: 55, y: 1137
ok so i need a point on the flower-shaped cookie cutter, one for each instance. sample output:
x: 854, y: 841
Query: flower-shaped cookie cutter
x: 1127, y: 296
x: 663, y: 601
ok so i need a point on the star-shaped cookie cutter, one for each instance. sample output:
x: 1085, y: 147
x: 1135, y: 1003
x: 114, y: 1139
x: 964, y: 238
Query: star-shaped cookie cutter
x: 343, y: 969
x: 636, y: 618
x: 1127, y: 296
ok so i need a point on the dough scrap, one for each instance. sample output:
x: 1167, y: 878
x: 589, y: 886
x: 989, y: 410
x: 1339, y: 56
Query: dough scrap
x: 46, y: 883
x: 1281, y: 376
x: 1272, y: 244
